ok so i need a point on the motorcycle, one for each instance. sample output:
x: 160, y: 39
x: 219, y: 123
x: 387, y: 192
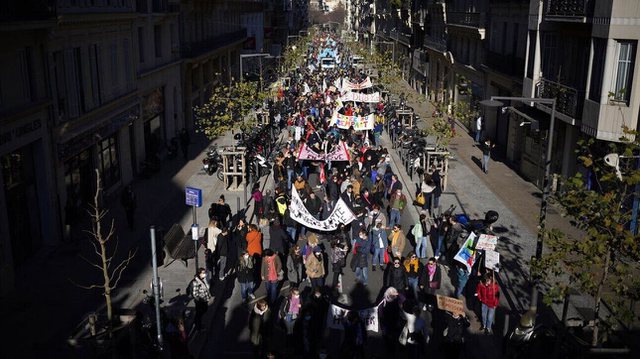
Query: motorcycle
x: 211, y: 162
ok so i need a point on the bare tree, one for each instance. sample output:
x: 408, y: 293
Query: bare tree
x: 110, y: 268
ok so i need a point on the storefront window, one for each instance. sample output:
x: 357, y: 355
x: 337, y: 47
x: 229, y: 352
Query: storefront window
x: 108, y: 161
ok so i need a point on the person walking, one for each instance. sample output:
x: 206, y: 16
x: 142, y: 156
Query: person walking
x: 486, y: 154
x: 414, y: 270
x: 355, y: 336
x: 488, y: 294
x: 359, y: 261
x: 398, y: 241
x: 419, y: 232
x: 290, y: 310
x: 225, y: 248
x: 295, y: 266
x: 185, y: 140
x: 338, y: 260
x: 479, y: 128
x: 254, y: 241
x: 128, y: 200
x: 245, y: 276
x: 271, y: 274
x: 201, y: 296
x: 397, y: 203
x: 454, y: 334
x: 221, y: 211
x: 395, y: 276
x: 315, y: 268
x: 260, y: 328
x: 380, y: 244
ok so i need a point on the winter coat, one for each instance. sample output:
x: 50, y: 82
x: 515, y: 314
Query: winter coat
x: 313, y: 205
x: 437, y: 278
x: 333, y: 192
x: 295, y: 268
x: 377, y: 236
x: 414, y: 270
x: 245, y: 270
x: 222, y: 245
x: 395, y: 277
x: 488, y: 294
x: 254, y: 243
x: 455, y: 329
x: 277, y: 238
x: 314, y: 267
x: 361, y: 258
x: 259, y: 325
x: 264, y: 269
x: 398, y: 242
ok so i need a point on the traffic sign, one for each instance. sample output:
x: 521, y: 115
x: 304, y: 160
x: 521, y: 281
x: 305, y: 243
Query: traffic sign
x: 193, y: 196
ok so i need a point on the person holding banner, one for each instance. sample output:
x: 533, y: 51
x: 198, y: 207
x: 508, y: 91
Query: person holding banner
x: 488, y: 293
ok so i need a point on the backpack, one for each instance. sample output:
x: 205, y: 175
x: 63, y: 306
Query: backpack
x: 189, y: 289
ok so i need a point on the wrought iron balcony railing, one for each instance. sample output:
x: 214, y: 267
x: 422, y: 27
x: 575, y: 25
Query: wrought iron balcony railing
x: 472, y: 19
x: 438, y: 44
x: 567, y: 98
x: 198, y: 48
x: 568, y: 8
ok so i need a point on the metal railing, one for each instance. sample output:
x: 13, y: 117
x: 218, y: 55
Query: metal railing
x: 435, y: 43
x: 567, y: 98
x: 568, y: 8
x: 197, y: 48
x: 472, y: 19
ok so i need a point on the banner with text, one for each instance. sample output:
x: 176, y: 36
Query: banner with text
x: 467, y: 254
x: 359, y: 123
x: 337, y: 315
x: 361, y: 97
x: 450, y: 304
x: 350, y: 86
x: 299, y: 213
x: 339, y: 153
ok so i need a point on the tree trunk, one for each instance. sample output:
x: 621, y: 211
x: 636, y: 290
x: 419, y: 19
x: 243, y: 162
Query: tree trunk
x: 598, y: 299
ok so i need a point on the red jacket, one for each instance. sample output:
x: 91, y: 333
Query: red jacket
x: 488, y: 294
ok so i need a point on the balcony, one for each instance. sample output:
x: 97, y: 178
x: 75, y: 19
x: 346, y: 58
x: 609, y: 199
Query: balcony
x: 201, y: 47
x: 568, y: 10
x: 507, y: 64
x: 567, y: 98
x: 469, y: 19
x: 438, y: 44
x: 27, y: 10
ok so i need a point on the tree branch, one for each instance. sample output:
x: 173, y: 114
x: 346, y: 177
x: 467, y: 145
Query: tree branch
x: 121, y: 267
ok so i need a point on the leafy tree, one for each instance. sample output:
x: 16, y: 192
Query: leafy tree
x: 603, y: 262
x: 228, y: 108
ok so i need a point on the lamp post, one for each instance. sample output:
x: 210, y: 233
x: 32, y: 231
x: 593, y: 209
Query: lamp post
x: 533, y: 305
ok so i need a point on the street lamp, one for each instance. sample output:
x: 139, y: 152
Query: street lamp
x: 533, y: 306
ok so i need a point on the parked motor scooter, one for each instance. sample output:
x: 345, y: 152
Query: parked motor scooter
x: 211, y: 161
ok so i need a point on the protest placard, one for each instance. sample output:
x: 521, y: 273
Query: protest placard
x: 492, y: 260
x: 467, y: 255
x: 450, y: 304
x: 336, y: 317
x: 486, y: 242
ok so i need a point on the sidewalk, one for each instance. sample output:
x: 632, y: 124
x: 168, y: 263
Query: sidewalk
x: 47, y: 306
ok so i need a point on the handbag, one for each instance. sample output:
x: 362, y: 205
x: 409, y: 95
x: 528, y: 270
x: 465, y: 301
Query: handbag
x: 386, y: 257
x: 420, y: 200
x: 434, y: 285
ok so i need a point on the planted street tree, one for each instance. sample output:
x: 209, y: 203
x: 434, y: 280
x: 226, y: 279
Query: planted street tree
x: 603, y: 263
x: 228, y: 108
x: 106, y: 262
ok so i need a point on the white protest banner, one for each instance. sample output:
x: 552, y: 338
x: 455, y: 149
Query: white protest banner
x: 359, y: 123
x: 450, y: 304
x: 361, y: 97
x: 486, y: 242
x: 350, y: 86
x: 336, y: 316
x: 299, y: 213
x: 307, y: 153
x: 467, y: 255
x: 492, y: 260
x: 339, y: 153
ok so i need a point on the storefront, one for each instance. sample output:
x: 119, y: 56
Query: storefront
x: 153, y: 119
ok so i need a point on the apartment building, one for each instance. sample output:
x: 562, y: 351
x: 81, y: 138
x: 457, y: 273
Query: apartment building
x: 27, y: 184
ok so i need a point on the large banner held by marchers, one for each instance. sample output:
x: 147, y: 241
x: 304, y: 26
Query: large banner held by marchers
x: 359, y: 123
x: 339, y: 153
x: 337, y: 315
x: 361, y: 97
x: 299, y: 213
x: 350, y: 86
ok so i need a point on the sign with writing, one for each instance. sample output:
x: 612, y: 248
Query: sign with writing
x: 467, y: 254
x: 361, y: 97
x: 349, y: 86
x: 492, y: 260
x: 486, y: 242
x: 337, y: 315
x: 450, y: 304
x: 359, y: 123
x: 299, y: 213
x: 193, y: 196
x: 339, y: 153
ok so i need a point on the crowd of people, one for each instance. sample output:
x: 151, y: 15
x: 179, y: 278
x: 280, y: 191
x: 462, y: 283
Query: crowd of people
x: 312, y: 261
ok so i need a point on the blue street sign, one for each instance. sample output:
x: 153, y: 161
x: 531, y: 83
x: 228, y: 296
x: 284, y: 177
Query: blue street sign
x: 193, y: 196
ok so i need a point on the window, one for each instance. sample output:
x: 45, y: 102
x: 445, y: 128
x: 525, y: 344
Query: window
x: 532, y: 53
x: 157, y: 40
x: 549, y: 56
x: 128, y: 70
x: 597, y: 68
x: 141, y: 44
x: 108, y: 161
x: 626, y: 52
x: 77, y: 58
x: 61, y: 88
x: 94, y: 56
x: 114, y: 67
